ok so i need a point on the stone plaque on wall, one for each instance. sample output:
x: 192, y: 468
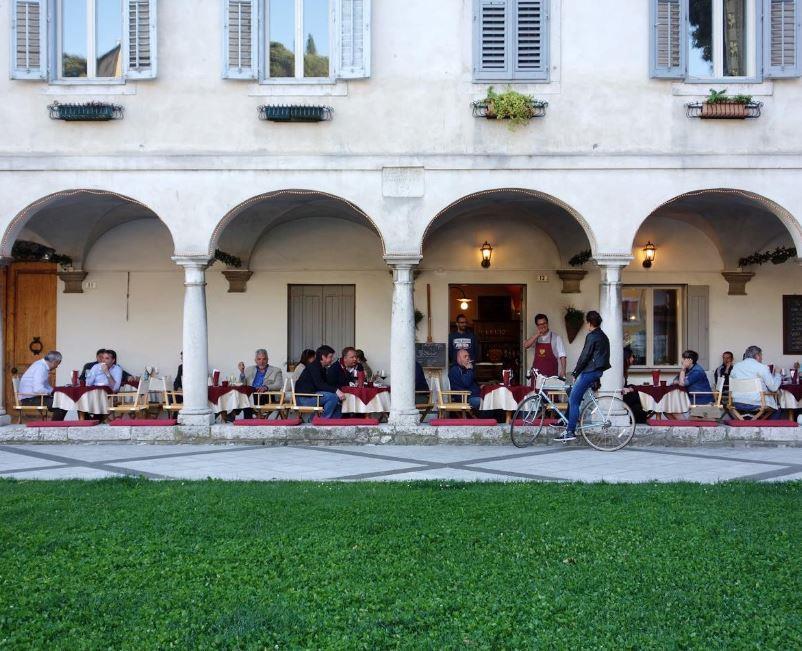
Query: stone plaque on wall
x: 402, y: 182
x: 792, y: 324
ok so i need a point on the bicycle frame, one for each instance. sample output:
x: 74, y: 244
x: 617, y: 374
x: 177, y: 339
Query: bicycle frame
x: 551, y: 405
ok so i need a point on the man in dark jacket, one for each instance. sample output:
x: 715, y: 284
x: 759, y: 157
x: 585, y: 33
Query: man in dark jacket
x: 593, y: 361
x: 461, y: 378
x: 313, y: 380
x: 343, y: 372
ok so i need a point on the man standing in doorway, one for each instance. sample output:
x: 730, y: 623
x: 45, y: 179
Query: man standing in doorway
x: 462, y: 339
x: 550, y: 358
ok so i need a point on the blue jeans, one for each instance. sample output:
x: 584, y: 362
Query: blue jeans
x: 332, y: 407
x: 475, y: 402
x: 744, y: 408
x: 582, y: 384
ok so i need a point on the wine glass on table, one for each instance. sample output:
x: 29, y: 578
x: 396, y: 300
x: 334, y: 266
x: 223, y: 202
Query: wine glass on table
x: 382, y: 374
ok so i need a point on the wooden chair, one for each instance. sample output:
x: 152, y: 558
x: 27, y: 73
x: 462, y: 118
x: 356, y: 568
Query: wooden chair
x: 39, y: 410
x: 129, y: 403
x: 303, y: 410
x: 555, y: 389
x: 752, y: 385
x: 271, y: 402
x: 714, y: 411
x: 452, y: 401
x: 423, y: 403
x: 170, y: 403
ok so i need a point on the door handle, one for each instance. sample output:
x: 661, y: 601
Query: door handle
x: 36, y: 346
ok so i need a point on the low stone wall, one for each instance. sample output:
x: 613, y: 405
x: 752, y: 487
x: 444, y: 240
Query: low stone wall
x: 383, y: 435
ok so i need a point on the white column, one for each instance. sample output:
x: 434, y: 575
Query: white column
x: 612, y: 322
x: 402, y: 342
x: 5, y: 419
x: 196, y: 343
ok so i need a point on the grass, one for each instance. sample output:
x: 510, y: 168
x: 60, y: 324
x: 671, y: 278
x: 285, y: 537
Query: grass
x: 134, y: 564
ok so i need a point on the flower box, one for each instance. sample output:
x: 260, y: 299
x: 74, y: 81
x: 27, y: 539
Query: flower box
x: 88, y: 112
x: 484, y: 109
x: 295, y: 113
x: 723, y: 110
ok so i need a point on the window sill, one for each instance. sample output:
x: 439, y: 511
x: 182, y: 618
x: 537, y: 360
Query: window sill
x: 697, y: 89
x: 292, y: 88
x: 478, y: 89
x: 104, y: 88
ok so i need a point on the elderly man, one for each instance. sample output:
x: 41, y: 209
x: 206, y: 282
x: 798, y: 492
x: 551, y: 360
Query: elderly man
x: 550, y: 357
x: 314, y: 380
x: 261, y: 377
x: 35, y: 383
x: 461, y: 378
x: 343, y: 372
x: 752, y: 367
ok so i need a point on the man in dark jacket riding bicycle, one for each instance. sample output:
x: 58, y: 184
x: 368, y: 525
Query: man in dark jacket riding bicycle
x: 593, y: 361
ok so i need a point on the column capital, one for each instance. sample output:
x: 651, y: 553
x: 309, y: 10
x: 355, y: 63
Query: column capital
x: 402, y: 260
x: 613, y: 259
x: 201, y: 262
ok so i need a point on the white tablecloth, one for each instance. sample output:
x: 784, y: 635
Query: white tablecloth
x: 787, y: 400
x: 92, y: 402
x: 500, y: 398
x: 231, y: 401
x: 353, y: 405
x: 674, y: 402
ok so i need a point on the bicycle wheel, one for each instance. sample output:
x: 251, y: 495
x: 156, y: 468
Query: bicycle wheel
x: 527, y: 421
x: 607, y: 423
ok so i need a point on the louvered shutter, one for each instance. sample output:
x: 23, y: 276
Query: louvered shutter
x: 352, y: 58
x: 530, y: 51
x: 668, y: 39
x: 491, y: 42
x: 781, y: 38
x: 28, y: 39
x: 140, y: 40
x: 240, y: 39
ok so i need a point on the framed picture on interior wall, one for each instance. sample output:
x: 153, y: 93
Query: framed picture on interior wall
x: 792, y: 324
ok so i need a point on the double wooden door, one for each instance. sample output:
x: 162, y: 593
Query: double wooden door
x: 320, y: 314
x: 29, y: 317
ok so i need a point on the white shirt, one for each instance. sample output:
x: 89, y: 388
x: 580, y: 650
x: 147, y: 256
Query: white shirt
x: 97, y: 378
x: 34, y: 380
x: 748, y: 369
x: 556, y: 341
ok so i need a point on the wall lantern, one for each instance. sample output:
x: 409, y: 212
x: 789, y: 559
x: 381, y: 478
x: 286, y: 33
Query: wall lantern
x: 464, y: 301
x: 648, y: 253
x: 487, y: 253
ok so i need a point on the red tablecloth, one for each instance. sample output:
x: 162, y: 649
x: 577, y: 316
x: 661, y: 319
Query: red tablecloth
x: 74, y: 393
x: 215, y: 393
x: 365, y: 394
x: 794, y: 389
x: 518, y: 392
x: 658, y: 393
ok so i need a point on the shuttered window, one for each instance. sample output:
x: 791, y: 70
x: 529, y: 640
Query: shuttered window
x: 240, y: 34
x: 141, y: 35
x: 511, y: 40
x: 28, y: 39
x: 724, y: 40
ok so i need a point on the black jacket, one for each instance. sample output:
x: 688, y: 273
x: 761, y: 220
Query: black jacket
x: 595, y: 354
x: 313, y: 379
x: 339, y: 376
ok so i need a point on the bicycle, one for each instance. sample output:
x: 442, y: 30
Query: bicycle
x: 606, y: 422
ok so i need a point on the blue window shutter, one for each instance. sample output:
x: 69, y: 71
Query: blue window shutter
x: 492, y: 40
x: 781, y: 38
x: 668, y: 38
x: 240, y: 39
x: 28, y: 39
x: 139, y: 40
x: 352, y: 28
x: 530, y: 49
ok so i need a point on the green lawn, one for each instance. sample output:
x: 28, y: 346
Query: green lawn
x: 138, y: 564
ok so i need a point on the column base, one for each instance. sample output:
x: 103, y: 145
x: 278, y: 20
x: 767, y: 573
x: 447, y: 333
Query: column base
x: 5, y: 419
x: 203, y: 419
x: 404, y: 418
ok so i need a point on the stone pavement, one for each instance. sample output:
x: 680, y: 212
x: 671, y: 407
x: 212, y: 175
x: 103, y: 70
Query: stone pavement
x: 400, y: 463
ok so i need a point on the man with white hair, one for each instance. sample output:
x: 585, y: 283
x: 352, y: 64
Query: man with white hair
x: 35, y: 383
x: 261, y: 377
x: 750, y: 368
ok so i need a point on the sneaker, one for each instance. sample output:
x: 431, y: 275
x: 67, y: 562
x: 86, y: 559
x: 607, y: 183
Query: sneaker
x: 565, y: 437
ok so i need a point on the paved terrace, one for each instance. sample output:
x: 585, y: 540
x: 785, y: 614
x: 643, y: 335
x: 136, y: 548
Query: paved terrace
x: 400, y: 463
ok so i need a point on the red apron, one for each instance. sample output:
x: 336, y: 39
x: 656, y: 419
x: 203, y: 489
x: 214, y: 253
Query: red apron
x: 545, y: 360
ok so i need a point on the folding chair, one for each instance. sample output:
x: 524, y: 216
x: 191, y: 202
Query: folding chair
x: 753, y: 386
x: 171, y: 405
x: 304, y: 410
x: 714, y: 411
x: 456, y: 401
x: 40, y: 410
x: 271, y: 402
x: 130, y: 403
x: 423, y: 403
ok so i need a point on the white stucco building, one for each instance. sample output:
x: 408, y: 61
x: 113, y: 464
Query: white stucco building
x: 348, y: 221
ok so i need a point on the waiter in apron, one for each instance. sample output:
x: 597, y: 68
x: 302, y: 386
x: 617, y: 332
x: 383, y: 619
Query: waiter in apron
x: 550, y: 358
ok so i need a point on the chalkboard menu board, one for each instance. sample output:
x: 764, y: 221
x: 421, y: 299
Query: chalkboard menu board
x: 792, y: 325
x: 430, y: 355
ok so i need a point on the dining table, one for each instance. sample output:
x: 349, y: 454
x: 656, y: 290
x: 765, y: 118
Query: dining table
x: 789, y: 396
x: 365, y: 400
x: 229, y: 398
x: 503, y: 397
x: 668, y: 400
x: 83, y: 399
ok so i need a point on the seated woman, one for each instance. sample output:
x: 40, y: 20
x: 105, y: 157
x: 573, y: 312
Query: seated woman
x: 694, y: 379
x: 307, y: 357
x: 630, y: 393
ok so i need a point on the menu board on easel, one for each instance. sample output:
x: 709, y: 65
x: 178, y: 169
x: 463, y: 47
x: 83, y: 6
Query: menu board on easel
x: 792, y: 324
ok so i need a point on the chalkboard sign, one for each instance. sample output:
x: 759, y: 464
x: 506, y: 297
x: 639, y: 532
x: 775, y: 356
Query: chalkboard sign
x: 430, y: 355
x: 792, y: 325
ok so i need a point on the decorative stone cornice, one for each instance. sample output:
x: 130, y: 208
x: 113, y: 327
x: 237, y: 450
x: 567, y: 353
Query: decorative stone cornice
x: 237, y: 280
x: 73, y: 281
x: 571, y: 279
x: 616, y: 259
x: 402, y: 259
x: 737, y: 281
x: 196, y: 261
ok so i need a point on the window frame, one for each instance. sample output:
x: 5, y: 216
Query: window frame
x: 682, y: 310
x: 264, y: 49
x: 91, y: 56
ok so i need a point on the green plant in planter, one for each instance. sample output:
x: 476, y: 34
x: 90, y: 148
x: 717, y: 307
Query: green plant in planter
x: 580, y: 259
x: 510, y: 105
x: 721, y: 97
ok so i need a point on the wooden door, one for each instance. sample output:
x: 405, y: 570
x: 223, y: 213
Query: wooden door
x: 30, y: 317
x: 320, y: 314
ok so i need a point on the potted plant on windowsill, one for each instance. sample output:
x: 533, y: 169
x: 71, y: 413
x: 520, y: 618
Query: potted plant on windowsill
x: 509, y: 105
x: 720, y: 106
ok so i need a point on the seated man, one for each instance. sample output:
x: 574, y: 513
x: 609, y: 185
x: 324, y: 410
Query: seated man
x: 343, y: 372
x: 461, y: 377
x: 313, y: 380
x: 422, y: 390
x: 87, y: 367
x: 261, y: 377
x: 106, y: 373
x: 693, y: 377
x: 34, y: 383
x: 751, y: 367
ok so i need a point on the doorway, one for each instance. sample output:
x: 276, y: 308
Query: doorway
x: 497, y: 316
x: 320, y: 314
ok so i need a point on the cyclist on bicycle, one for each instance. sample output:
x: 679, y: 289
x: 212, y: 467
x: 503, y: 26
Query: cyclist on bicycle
x: 594, y: 360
